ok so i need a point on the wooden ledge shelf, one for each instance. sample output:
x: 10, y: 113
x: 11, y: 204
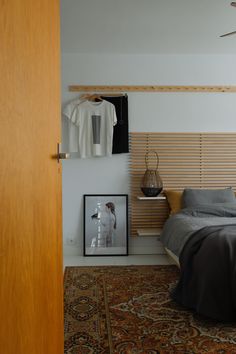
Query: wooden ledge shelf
x: 149, y: 88
x: 159, y: 197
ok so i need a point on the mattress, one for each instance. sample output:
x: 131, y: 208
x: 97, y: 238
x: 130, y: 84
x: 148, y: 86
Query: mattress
x: 172, y: 256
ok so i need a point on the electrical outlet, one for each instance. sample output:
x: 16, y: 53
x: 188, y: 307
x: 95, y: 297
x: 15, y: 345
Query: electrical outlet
x: 71, y: 241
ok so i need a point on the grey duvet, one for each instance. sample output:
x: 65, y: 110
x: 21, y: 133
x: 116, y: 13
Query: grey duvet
x: 204, y: 238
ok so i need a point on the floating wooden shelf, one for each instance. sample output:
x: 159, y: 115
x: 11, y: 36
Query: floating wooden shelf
x: 159, y: 197
x: 149, y: 88
x: 149, y: 232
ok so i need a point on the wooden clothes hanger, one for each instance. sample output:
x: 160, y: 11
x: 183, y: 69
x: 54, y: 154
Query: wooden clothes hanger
x: 91, y: 97
x: 99, y: 96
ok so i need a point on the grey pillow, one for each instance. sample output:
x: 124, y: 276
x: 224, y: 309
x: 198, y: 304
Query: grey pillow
x: 192, y: 197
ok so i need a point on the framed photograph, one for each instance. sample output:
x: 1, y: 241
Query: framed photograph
x: 105, y: 225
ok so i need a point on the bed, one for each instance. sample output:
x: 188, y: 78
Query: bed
x: 200, y: 235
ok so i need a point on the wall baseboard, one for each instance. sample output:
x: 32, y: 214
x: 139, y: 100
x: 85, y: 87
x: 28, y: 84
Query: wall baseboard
x: 137, y: 245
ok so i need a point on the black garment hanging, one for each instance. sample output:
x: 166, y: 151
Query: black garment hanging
x: 121, y: 129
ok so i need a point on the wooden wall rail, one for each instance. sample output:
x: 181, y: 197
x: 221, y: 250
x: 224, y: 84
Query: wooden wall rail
x: 149, y: 88
x: 195, y: 160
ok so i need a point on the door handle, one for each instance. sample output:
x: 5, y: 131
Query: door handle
x: 61, y: 155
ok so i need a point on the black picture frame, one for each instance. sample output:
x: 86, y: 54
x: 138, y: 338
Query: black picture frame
x: 105, y: 225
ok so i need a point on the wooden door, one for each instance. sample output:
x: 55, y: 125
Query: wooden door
x: 31, y: 297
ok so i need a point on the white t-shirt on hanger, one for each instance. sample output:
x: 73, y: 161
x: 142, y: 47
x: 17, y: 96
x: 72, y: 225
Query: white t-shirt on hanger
x: 95, y: 121
x: 70, y: 132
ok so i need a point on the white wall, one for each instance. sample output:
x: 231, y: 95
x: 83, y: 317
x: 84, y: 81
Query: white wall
x: 170, y: 112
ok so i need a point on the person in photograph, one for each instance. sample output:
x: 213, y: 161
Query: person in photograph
x: 111, y: 224
x: 106, y: 225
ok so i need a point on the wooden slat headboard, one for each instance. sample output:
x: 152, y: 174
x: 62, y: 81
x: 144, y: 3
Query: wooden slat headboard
x: 195, y: 160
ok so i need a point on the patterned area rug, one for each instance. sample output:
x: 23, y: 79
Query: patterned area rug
x: 127, y: 309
